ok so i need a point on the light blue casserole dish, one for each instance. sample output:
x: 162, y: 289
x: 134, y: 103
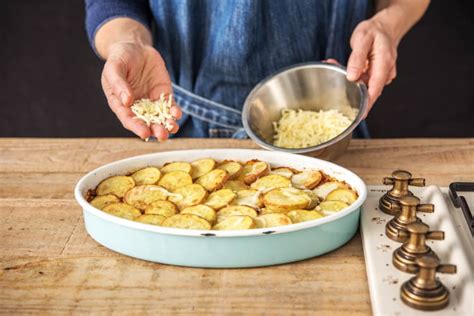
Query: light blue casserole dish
x: 221, y: 249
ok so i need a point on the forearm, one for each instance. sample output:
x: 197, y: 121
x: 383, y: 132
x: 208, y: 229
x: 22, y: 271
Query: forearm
x: 120, y: 30
x: 399, y: 16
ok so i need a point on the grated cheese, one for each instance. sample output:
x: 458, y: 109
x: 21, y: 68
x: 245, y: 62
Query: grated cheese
x: 300, y: 129
x: 154, y: 112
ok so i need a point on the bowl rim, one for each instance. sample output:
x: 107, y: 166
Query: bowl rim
x: 341, y: 69
x: 80, y: 186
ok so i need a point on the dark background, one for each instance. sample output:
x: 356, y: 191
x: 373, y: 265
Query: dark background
x: 50, y: 78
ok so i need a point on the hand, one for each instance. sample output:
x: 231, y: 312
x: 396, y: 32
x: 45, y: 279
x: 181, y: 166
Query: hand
x: 134, y: 71
x: 373, y: 57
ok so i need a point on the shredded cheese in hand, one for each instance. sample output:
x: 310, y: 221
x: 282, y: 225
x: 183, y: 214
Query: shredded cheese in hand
x: 300, y: 129
x: 154, y: 112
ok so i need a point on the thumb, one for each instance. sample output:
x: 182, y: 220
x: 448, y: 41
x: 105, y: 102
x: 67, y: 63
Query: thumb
x: 115, y: 72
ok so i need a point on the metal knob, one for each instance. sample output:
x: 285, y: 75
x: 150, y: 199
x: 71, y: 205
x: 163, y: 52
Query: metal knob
x: 404, y: 258
x: 400, y: 180
x: 396, y: 228
x: 425, y: 291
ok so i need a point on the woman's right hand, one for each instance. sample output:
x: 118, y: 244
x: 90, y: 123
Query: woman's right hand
x: 134, y: 71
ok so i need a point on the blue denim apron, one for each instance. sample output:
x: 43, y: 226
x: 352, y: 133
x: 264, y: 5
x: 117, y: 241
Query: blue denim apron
x: 216, y: 51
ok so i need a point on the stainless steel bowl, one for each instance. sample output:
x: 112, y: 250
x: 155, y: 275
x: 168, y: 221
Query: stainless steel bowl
x: 309, y: 86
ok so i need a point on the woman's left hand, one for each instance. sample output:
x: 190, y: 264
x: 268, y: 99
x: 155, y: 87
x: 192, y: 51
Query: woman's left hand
x: 373, y: 57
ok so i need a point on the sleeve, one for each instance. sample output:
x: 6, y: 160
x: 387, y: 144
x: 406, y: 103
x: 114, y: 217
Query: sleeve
x: 99, y: 12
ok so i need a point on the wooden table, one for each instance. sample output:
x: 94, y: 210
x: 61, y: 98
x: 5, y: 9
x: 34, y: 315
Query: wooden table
x: 49, y: 264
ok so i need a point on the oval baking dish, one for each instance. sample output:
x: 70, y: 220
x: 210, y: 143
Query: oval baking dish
x: 221, y: 249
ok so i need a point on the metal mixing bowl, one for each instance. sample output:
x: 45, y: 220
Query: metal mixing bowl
x: 309, y: 86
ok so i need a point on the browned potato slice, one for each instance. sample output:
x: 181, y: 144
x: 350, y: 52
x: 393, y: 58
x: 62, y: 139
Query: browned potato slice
x: 232, y: 167
x: 163, y: 208
x: 149, y: 175
x: 329, y: 207
x: 186, y: 221
x: 308, y: 179
x: 324, y: 189
x: 102, y: 201
x: 314, y: 199
x: 191, y: 194
x: 201, y: 167
x: 344, y: 195
x: 253, y: 170
x: 283, y: 171
x: 213, y: 180
x: 117, y: 185
x: 122, y: 210
x: 203, y: 211
x: 235, y: 185
x: 236, y: 222
x: 141, y: 196
x: 152, y: 219
x: 298, y: 216
x: 232, y: 210
x: 220, y: 198
x: 273, y: 181
x: 249, y: 198
x: 175, y: 179
x: 272, y: 220
x: 286, y: 199
x: 177, y: 166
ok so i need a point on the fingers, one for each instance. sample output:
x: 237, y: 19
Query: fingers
x: 361, y: 43
x: 176, y: 112
x: 115, y: 73
x: 331, y: 61
x: 159, y: 132
x: 124, y: 114
x: 392, y: 75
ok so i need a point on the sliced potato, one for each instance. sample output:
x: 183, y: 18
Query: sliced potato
x: 307, y: 179
x: 344, y: 195
x: 203, y: 211
x: 175, y: 179
x: 122, y: 210
x: 141, y: 196
x: 249, y: 198
x: 270, y: 182
x: 269, y: 210
x: 117, y: 185
x: 213, y: 180
x: 236, y: 222
x: 286, y: 199
x: 163, y: 208
x: 149, y: 175
x: 152, y: 219
x: 272, y: 220
x: 232, y: 167
x: 201, y: 167
x: 235, y: 185
x: 189, y: 195
x: 186, y: 221
x: 328, y: 207
x: 324, y: 189
x: 314, y: 199
x: 283, y: 171
x: 177, y: 166
x: 102, y: 201
x: 220, y: 198
x: 298, y: 216
x: 232, y: 210
x: 253, y: 170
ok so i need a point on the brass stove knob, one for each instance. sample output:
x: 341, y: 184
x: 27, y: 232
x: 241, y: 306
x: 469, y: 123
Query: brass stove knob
x: 396, y: 228
x: 400, y: 180
x: 425, y: 291
x: 404, y: 258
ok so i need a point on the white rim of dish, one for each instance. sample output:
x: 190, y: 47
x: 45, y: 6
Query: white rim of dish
x: 361, y: 191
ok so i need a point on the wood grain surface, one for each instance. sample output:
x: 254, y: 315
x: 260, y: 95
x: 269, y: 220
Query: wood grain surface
x: 49, y: 264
